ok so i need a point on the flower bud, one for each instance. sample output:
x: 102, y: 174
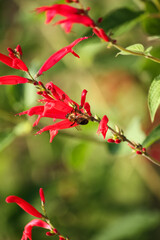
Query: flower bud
x: 117, y: 141
x: 138, y: 152
x: 110, y: 140
x: 42, y: 197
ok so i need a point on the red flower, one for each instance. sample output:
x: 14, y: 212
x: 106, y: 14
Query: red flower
x: 103, y: 128
x: 42, y: 197
x: 58, y: 9
x: 27, y: 233
x: 81, y: 19
x: 14, y: 59
x: 11, y: 80
x: 83, y: 97
x: 56, y: 57
x: 57, y: 105
x: 73, y: 15
x: 24, y: 205
x: 101, y: 34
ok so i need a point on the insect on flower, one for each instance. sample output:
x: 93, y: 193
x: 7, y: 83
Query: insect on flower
x: 77, y: 117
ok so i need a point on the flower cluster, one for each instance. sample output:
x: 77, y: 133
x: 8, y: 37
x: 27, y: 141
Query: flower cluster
x: 55, y: 103
x: 58, y: 105
x: 43, y: 220
x: 14, y: 61
x: 72, y: 16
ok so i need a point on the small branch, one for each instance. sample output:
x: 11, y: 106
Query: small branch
x: 151, y: 159
x: 154, y: 59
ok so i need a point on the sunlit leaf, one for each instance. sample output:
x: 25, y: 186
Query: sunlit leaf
x: 154, y: 97
x: 148, y: 50
x: 137, y: 48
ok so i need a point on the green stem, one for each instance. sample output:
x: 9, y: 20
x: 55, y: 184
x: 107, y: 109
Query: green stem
x: 151, y: 159
x: 154, y: 59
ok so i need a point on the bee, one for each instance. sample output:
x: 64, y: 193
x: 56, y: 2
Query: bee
x: 79, y: 119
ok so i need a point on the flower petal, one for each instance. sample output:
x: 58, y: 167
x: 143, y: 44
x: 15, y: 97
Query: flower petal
x: 57, y: 56
x: 76, y: 18
x: 61, y: 9
x: 58, y: 93
x: 83, y: 97
x: 12, y: 80
x: 103, y: 128
x: 5, y: 59
x: 41, y: 193
x: 101, y: 34
x: 57, y: 126
x: 27, y: 233
x: 24, y: 205
x: 87, y: 108
x: 20, y: 64
x: 53, y: 133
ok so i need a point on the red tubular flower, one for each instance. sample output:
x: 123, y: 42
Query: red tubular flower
x: 58, y: 9
x: 103, y: 128
x: 87, y: 108
x: 101, y: 34
x: 41, y: 193
x: 61, y: 238
x: 58, y: 105
x: 73, y: 15
x: 14, y: 60
x: 12, y: 80
x: 27, y: 233
x: 80, y: 19
x: 83, y: 97
x: 110, y: 140
x: 56, y: 57
x: 24, y: 205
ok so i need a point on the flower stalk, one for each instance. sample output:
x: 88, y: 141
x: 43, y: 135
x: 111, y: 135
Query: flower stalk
x: 140, y: 54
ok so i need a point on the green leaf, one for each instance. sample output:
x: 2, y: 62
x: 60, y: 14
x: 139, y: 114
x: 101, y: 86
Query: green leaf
x: 121, y: 17
x: 151, y: 24
x: 137, y: 48
x: 154, y: 97
x: 120, y: 21
x: 153, y: 137
x: 148, y: 50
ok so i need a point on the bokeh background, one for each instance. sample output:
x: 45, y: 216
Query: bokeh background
x: 94, y: 190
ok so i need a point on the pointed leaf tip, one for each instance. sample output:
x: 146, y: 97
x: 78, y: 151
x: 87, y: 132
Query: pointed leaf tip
x: 154, y: 97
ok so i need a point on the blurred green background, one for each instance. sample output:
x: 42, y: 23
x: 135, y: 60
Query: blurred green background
x: 94, y: 190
